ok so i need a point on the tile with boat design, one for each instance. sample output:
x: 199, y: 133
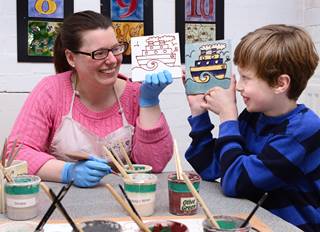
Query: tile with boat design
x: 208, y: 64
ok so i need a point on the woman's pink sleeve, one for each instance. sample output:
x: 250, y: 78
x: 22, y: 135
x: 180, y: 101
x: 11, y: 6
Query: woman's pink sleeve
x: 33, y: 126
x: 153, y: 146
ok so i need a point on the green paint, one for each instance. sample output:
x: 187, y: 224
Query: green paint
x: 163, y: 229
x: 139, y: 188
x: 182, y: 187
x: 226, y: 224
x: 23, y: 185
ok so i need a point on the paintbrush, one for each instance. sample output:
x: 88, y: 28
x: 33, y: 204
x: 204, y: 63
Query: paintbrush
x: 83, y: 156
x: 116, y: 163
x: 6, y: 175
x: 14, y: 154
x: 126, y: 156
x: 4, y: 152
x: 52, y: 207
x: 53, y: 196
x: 262, y: 199
x: 205, y: 208
x: 129, y: 201
x: 127, y: 208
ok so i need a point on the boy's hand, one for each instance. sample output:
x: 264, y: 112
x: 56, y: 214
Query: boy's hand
x: 195, y: 104
x: 194, y: 100
x: 222, y: 101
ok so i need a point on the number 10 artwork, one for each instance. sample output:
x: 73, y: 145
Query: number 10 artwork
x: 208, y: 64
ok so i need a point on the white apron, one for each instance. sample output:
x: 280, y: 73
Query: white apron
x: 71, y: 136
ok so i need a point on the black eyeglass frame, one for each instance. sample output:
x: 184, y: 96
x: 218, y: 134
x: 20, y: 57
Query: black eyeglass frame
x: 92, y: 54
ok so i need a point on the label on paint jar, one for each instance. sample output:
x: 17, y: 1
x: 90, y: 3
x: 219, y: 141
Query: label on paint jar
x: 188, y: 203
x: 21, y: 203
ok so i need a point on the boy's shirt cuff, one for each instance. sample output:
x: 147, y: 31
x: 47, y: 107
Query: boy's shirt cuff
x: 200, y: 122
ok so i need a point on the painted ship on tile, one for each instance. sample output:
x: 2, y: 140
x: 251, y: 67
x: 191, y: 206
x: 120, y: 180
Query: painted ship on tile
x: 208, y: 64
x: 155, y: 53
x: 158, y: 49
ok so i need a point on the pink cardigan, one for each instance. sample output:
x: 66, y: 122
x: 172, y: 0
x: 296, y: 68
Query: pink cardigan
x: 50, y: 100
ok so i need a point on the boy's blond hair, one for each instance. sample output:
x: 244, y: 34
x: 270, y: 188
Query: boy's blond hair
x: 278, y: 49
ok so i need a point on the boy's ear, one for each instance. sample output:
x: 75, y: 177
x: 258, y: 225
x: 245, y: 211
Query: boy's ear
x: 283, y: 84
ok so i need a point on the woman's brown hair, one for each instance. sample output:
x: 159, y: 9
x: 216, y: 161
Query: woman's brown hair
x: 71, y: 32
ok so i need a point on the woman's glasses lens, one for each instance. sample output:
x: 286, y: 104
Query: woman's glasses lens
x: 103, y: 53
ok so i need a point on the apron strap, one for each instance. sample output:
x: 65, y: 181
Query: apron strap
x: 75, y: 92
x: 124, y: 120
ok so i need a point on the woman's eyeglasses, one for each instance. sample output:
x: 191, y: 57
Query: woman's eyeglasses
x: 101, y: 54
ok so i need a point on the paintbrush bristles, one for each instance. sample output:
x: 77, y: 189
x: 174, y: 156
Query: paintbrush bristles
x: 201, y: 201
x: 127, y: 208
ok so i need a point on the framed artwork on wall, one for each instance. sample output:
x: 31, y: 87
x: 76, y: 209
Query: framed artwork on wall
x: 130, y: 18
x: 199, y: 21
x: 38, y: 23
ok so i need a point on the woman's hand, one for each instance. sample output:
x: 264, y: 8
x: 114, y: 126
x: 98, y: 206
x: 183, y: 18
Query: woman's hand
x: 152, y: 87
x: 87, y: 173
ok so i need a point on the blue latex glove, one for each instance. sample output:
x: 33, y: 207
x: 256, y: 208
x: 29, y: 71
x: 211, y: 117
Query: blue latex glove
x: 87, y: 173
x: 152, y: 87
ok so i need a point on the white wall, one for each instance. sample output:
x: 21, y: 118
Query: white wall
x: 240, y: 18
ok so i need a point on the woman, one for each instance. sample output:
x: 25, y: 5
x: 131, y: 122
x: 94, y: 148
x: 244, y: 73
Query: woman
x: 88, y: 105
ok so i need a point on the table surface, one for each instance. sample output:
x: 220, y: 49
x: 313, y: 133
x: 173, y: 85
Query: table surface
x: 98, y: 203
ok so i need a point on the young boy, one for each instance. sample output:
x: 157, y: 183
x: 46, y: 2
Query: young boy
x: 274, y: 144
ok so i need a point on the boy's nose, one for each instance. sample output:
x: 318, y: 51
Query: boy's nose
x: 239, y: 86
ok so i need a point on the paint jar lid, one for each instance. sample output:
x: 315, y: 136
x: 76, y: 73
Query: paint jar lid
x: 24, y: 184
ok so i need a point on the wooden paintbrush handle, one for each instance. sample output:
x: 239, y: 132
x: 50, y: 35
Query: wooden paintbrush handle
x: 200, y: 200
x: 127, y: 208
x: 116, y: 163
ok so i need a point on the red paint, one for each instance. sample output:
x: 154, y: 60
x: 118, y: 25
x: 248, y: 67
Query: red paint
x: 171, y: 226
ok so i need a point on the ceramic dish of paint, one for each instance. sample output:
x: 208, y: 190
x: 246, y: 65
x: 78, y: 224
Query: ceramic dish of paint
x: 166, y: 226
x: 138, y: 168
x: 100, y: 226
x: 18, y: 227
